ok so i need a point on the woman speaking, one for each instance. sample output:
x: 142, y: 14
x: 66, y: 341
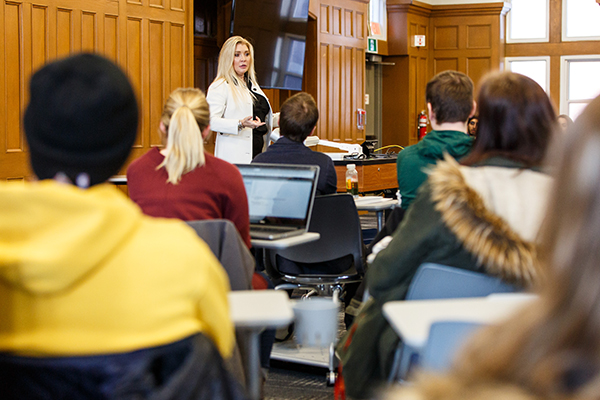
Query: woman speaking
x: 240, y: 112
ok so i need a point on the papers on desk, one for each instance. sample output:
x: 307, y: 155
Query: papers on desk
x: 372, y: 200
x: 374, y: 203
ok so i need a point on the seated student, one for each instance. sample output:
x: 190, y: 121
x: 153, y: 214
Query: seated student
x: 483, y: 215
x: 472, y: 125
x: 549, y: 350
x: 298, y: 120
x: 564, y: 122
x: 83, y: 272
x: 450, y: 103
x: 182, y: 180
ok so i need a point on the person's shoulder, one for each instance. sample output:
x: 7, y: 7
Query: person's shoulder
x: 141, y: 163
x: 221, y: 169
x: 323, y: 157
x: 172, y: 235
x: 218, y: 84
x: 408, y: 152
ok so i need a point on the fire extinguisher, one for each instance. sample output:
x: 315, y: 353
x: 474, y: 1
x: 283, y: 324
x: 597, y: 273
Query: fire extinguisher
x: 422, y: 125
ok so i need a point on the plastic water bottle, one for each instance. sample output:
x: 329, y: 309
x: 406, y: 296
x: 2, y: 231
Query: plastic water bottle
x: 352, y: 180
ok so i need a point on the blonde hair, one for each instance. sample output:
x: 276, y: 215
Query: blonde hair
x: 184, y: 116
x: 226, y: 72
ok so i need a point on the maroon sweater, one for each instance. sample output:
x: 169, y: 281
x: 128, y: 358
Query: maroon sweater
x: 215, y: 190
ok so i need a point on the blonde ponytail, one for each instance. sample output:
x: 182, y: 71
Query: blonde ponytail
x: 185, y: 116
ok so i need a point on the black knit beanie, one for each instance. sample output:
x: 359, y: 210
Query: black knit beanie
x: 82, y: 117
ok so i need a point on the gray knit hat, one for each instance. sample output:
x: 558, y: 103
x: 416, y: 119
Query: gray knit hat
x: 82, y: 117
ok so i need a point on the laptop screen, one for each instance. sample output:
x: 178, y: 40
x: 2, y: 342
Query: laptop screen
x: 280, y: 194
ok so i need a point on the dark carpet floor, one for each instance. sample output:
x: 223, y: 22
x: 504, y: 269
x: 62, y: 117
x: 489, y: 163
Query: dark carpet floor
x: 287, y: 381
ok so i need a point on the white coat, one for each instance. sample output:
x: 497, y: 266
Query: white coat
x: 232, y: 145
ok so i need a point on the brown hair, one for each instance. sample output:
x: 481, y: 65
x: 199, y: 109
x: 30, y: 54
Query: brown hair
x: 516, y: 120
x: 451, y: 96
x: 298, y: 116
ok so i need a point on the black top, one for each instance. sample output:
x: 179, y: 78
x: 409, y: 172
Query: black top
x: 260, y: 109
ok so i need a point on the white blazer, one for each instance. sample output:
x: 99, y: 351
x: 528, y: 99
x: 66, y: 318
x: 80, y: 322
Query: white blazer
x: 232, y: 145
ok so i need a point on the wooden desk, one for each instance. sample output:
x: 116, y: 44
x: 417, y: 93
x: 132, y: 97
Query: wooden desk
x: 374, y: 174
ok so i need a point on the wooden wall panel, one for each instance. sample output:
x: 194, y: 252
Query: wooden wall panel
x: 156, y: 93
x: 360, y: 25
x: 111, y: 28
x: 134, y: 68
x: 336, y: 19
x: 323, y: 94
x: 177, y: 5
x: 151, y: 40
x: 477, y: 67
x: 479, y: 37
x: 333, y: 91
x: 445, y: 37
x: 340, y: 67
x: 325, y: 19
x: 39, y: 36
x: 15, y: 84
x: 443, y: 64
x: 89, y: 32
x: 64, y: 32
x: 177, y: 56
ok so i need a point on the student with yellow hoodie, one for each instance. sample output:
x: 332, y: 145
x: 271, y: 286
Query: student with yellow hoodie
x: 84, y: 276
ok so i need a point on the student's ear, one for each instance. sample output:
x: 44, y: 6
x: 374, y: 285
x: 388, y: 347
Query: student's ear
x: 430, y: 113
x: 205, y: 132
x: 474, y: 109
x: 162, y: 128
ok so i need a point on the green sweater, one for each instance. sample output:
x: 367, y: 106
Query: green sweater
x: 413, y: 160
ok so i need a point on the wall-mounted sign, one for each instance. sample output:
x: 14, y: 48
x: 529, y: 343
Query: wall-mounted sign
x: 372, y: 45
x: 419, y: 41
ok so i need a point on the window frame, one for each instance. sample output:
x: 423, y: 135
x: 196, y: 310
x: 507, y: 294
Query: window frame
x: 564, y: 79
x: 545, y: 39
x: 508, y: 60
x: 564, y: 36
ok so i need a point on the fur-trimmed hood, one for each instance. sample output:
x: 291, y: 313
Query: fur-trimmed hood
x: 495, y: 212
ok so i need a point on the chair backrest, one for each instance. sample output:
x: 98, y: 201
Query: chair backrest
x: 445, y: 340
x: 335, y: 218
x: 191, y: 368
x: 226, y: 244
x: 435, y: 281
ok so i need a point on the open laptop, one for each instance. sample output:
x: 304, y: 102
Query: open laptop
x: 280, y: 198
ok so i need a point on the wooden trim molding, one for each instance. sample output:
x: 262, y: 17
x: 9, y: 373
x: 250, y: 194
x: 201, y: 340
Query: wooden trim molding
x: 500, y: 8
x: 409, y: 7
x: 427, y: 10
